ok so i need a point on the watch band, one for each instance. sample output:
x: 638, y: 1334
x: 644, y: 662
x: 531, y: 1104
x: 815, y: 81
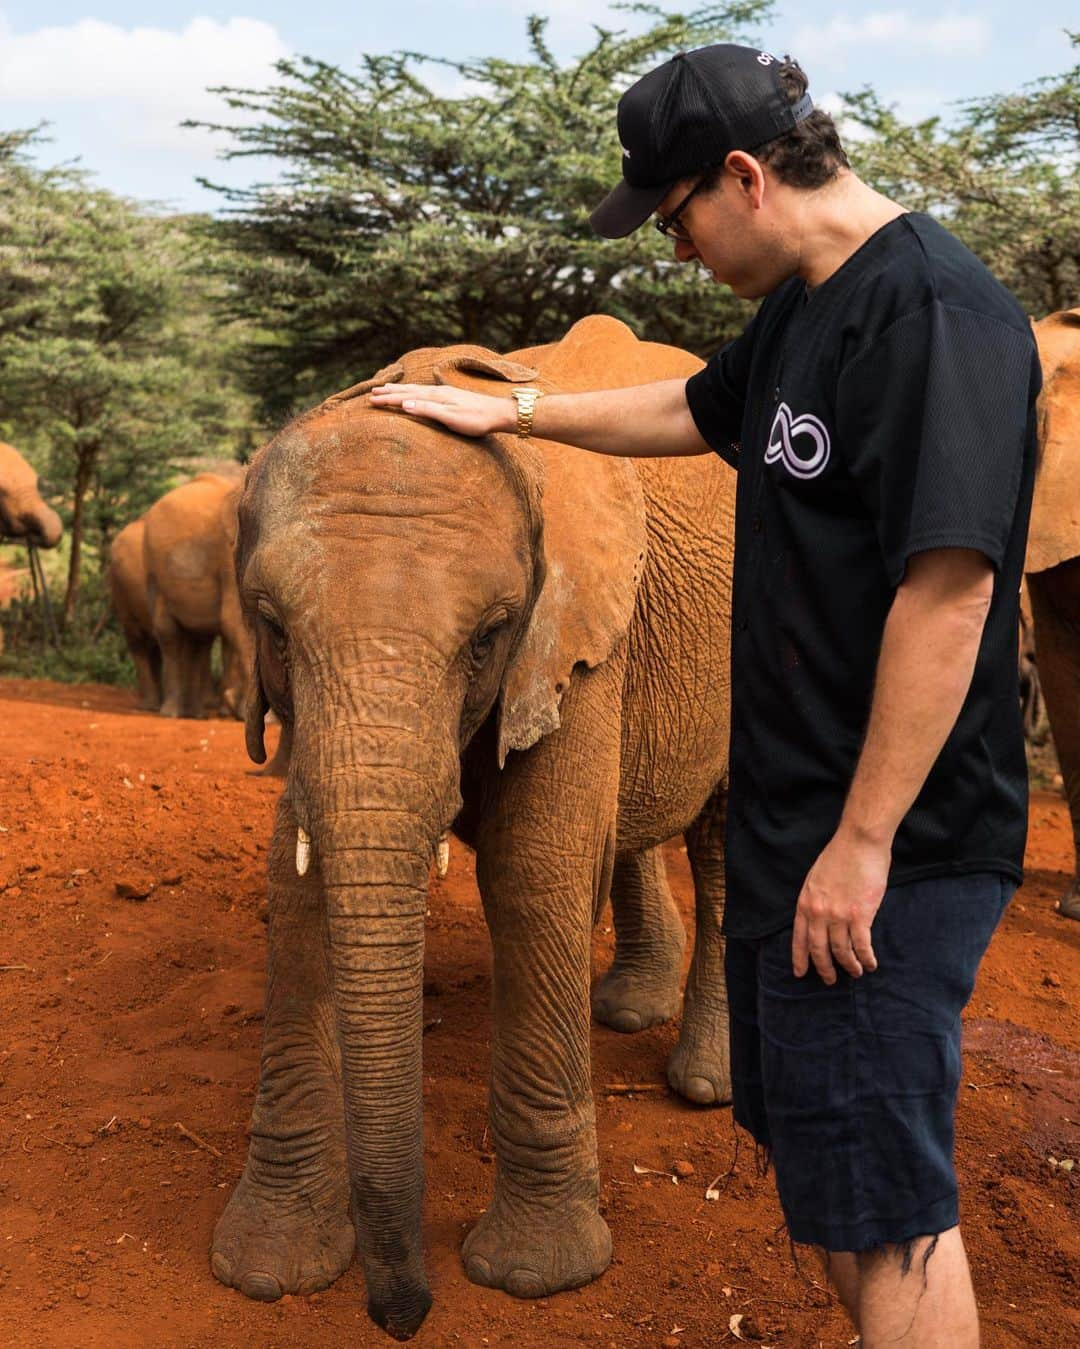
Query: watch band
x: 525, y: 397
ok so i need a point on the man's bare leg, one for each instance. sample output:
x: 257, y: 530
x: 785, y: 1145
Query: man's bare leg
x: 932, y: 1306
x: 842, y: 1270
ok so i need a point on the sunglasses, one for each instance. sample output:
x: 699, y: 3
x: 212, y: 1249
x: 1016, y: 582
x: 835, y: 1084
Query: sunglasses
x: 670, y: 226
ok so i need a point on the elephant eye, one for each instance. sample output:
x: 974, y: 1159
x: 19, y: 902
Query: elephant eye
x: 485, y: 639
x: 276, y: 631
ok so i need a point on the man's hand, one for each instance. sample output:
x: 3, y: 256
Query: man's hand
x: 837, y: 904
x: 459, y: 410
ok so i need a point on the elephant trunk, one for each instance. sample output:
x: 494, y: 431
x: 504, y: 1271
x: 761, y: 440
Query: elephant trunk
x: 38, y: 524
x: 373, y: 829
x: 27, y: 518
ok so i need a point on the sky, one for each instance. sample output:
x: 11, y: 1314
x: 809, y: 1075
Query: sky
x: 114, y: 78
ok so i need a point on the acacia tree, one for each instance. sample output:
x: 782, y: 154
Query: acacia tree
x: 1004, y: 175
x: 402, y: 217
x: 102, y: 366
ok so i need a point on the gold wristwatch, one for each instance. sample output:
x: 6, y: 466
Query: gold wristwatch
x: 525, y: 397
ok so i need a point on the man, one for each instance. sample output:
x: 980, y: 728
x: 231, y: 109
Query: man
x: 880, y: 411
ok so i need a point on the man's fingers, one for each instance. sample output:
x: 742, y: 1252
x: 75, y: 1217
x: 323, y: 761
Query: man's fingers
x: 841, y: 947
x: 860, y: 940
x: 820, y: 954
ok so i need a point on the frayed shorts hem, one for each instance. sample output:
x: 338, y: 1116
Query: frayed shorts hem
x: 877, y: 1233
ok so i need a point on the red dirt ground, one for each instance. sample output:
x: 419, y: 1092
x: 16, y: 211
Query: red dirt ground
x: 127, y: 1018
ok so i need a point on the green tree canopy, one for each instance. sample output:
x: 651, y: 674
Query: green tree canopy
x: 404, y: 217
x: 1004, y: 175
x: 108, y: 367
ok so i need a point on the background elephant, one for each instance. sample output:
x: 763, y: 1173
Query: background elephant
x: 528, y: 641
x: 127, y: 586
x: 23, y: 514
x: 1053, y: 556
x: 188, y: 543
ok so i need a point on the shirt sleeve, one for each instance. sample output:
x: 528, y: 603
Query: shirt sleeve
x: 932, y: 419
x: 716, y: 395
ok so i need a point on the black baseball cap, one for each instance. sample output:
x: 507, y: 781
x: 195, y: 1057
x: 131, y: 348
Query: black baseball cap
x: 688, y: 114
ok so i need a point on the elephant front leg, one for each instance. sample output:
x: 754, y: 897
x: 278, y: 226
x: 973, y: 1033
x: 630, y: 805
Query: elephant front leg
x: 699, y: 1068
x: 642, y: 987
x: 543, y: 1231
x: 287, y: 1227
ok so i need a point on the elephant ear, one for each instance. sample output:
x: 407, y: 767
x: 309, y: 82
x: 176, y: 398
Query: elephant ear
x: 594, y: 546
x: 389, y: 374
x: 1054, y: 534
x: 481, y: 363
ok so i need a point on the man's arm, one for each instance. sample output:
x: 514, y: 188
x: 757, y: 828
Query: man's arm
x: 928, y: 652
x: 643, y: 422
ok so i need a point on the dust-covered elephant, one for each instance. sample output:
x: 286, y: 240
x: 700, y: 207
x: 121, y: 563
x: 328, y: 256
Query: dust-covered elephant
x: 23, y: 514
x: 127, y: 587
x: 1053, y: 556
x: 530, y: 642
x: 188, y: 543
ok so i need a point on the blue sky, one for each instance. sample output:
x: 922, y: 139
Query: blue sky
x: 115, y: 77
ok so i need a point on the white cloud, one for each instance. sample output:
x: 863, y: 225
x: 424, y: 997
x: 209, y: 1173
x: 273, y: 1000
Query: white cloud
x: 841, y: 38
x: 144, y: 80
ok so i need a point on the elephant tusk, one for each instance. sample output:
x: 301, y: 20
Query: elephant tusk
x: 303, y: 850
x: 442, y: 856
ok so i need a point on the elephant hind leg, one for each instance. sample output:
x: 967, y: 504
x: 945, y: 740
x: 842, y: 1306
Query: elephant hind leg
x: 1055, y: 602
x: 642, y: 987
x: 699, y: 1067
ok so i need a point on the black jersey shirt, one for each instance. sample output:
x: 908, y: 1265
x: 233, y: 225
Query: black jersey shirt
x: 890, y: 411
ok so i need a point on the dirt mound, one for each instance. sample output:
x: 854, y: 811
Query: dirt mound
x: 132, y: 861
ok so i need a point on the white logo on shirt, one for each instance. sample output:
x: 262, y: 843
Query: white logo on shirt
x: 786, y: 430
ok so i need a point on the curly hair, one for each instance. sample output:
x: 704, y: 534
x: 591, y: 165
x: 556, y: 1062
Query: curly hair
x: 810, y: 154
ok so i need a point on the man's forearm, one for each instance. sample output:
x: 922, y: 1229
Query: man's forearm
x: 928, y: 653
x: 645, y: 421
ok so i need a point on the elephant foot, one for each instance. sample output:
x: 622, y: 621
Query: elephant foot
x: 169, y: 708
x: 269, y: 1245
x: 531, y: 1253
x: 629, y: 1000
x: 699, y: 1068
x: 643, y: 986
x: 1069, y: 903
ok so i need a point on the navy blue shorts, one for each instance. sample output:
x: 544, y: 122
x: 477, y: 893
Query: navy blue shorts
x: 853, y: 1088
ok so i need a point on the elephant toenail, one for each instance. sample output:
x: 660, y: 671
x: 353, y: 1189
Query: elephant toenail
x: 626, y: 1020
x: 260, y: 1286
x: 222, y: 1269
x: 315, y: 1284
x: 699, y: 1090
x: 524, y: 1283
x: 479, y: 1271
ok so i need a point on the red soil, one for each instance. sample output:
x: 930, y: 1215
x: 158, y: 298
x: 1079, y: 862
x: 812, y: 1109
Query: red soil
x: 127, y: 1018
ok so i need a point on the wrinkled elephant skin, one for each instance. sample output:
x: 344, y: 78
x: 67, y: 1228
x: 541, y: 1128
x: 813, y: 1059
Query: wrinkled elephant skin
x: 529, y: 643
x: 1053, y: 557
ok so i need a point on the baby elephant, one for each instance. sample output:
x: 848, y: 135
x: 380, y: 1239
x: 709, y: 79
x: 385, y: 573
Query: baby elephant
x: 529, y: 643
x: 191, y: 596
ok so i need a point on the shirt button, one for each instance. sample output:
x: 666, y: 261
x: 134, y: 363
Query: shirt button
x: 776, y: 394
x: 743, y: 624
x: 756, y: 524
